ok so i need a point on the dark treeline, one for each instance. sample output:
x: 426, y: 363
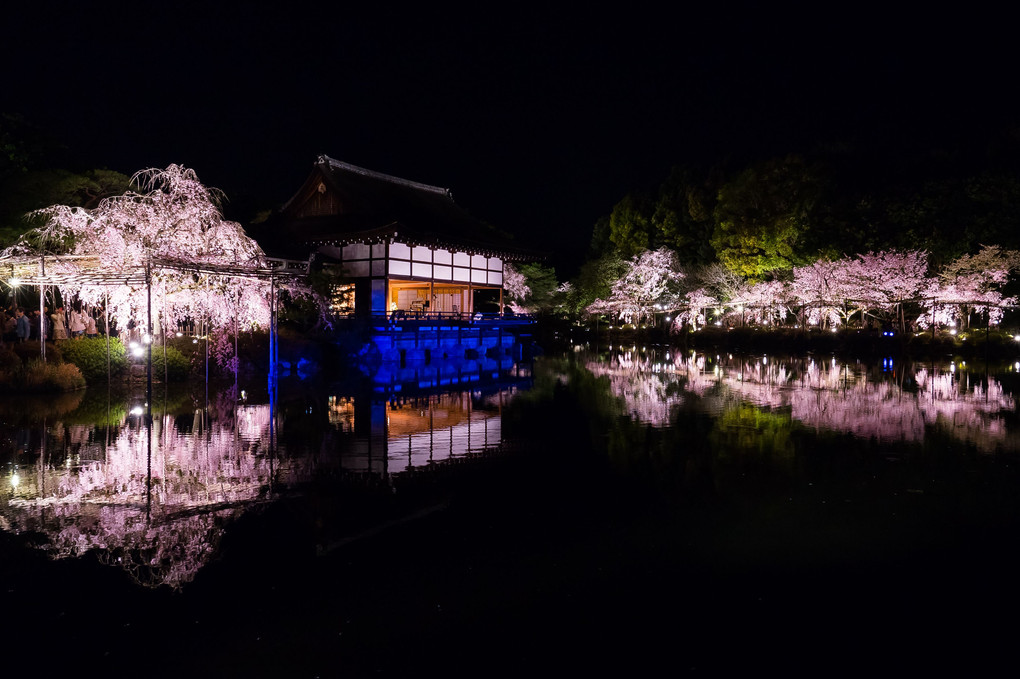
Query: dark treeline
x: 759, y: 218
x: 754, y: 219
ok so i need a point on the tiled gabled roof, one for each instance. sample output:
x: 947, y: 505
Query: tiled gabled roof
x: 371, y: 205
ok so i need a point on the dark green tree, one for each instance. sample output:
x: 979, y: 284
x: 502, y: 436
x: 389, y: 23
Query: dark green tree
x: 24, y: 192
x: 600, y: 243
x: 682, y: 219
x: 542, y: 287
x: 762, y: 215
x: 22, y: 147
x: 630, y: 224
x: 594, y: 281
x: 952, y: 216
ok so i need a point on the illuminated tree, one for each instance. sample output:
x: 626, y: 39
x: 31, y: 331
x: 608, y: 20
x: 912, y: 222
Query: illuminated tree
x: 968, y: 284
x: 649, y: 284
x: 765, y: 303
x: 887, y: 279
x: 532, y: 288
x: 696, y: 302
x: 822, y: 289
x: 173, y: 224
x: 594, y: 281
x: 761, y: 215
x: 879, y: 283
x: 514, y: 284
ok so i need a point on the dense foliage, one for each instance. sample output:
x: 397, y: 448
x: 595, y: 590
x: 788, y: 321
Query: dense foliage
x: 174, y: 221
x: 23, y: 373
x: 842, y: 236
x: 91, y: 357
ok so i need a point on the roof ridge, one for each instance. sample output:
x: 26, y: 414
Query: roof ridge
x: 339, y: 164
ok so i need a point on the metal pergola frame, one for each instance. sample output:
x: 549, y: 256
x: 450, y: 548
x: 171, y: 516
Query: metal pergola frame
x: 31, y: 270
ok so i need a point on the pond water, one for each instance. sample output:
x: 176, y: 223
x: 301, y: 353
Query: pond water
x: 621, y: 505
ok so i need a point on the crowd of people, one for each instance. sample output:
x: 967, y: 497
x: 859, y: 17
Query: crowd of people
x: 23, y: 325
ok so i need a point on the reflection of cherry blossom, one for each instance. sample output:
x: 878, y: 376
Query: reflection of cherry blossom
x: 155, y: 501
x: 156, y: 506
x: 826, y: 395
x: 641, y: 383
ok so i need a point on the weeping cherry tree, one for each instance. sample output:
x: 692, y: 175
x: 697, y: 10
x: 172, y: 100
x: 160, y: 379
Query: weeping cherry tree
x: 171, y: 226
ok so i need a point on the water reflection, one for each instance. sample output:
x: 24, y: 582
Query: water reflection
x: 886, y: 402
x: 85, y: 473
x: 154, y: 496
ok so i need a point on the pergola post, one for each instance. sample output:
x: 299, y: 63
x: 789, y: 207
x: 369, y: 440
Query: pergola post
x: 272, y: 362
x: 148, y: 332
x: 106, y: 317
x: 42, y: 310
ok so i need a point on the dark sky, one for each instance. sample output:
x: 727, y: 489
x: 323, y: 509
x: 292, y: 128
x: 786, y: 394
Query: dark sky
x: 538, y: 119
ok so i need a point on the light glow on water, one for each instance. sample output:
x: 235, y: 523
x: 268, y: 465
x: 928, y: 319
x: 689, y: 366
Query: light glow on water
x: 838, y: 397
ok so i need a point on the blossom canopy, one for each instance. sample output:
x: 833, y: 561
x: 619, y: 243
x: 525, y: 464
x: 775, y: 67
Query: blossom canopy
x: 171, y: 231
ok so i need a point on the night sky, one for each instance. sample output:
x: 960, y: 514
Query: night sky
x: 538, y: 119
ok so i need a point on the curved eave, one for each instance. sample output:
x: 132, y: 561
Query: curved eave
x: 393, y: 232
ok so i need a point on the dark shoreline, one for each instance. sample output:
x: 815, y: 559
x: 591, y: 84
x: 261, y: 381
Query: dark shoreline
x: 993, y: 346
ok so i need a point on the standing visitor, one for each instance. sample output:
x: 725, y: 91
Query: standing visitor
x: 91, y: 330
x: 10, y: 326
x: 22, y: 328
x: 77, y: 323
x: 37, y: 325
x: 59, y: 324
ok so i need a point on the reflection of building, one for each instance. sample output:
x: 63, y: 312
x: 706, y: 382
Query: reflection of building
x: 401, y: 245
x: 401, y: 433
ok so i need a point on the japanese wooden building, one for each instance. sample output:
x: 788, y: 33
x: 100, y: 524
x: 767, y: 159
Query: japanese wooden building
x: 403, y: 247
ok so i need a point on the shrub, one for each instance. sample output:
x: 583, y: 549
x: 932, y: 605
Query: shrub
x: 30, y: 350
x: 9, y: 360
x: 39, y: 376
x: 89, y: 354
x: 174, y: 369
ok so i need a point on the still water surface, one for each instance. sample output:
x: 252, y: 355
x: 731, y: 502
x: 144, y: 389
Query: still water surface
x: 747, y: 464
x: 154, y: 494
